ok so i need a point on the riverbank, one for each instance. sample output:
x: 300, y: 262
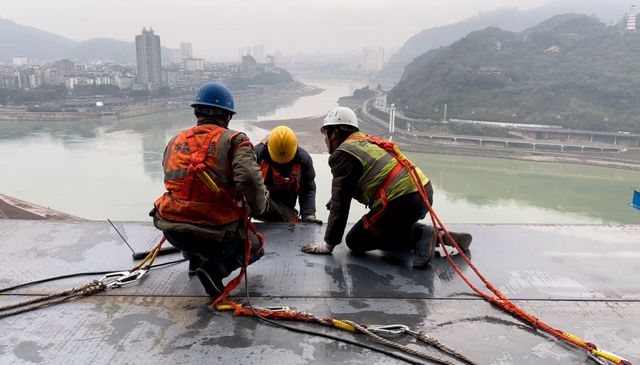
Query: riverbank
x: 124, y: 109
x: 309, y: 137
x: 307, y: 130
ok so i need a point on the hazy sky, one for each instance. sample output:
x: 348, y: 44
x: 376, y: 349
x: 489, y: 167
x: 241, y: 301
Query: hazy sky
x: 218, y: 28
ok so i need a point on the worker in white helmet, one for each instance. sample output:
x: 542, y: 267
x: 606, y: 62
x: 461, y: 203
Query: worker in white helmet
x: 364, y: 169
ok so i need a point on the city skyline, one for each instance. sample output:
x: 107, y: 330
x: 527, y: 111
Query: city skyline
x: 350, y: 26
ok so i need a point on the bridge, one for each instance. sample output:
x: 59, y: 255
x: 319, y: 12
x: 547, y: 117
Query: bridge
x: 595, y: 142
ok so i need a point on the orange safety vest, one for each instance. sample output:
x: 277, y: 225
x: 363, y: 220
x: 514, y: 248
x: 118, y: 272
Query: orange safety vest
x: 280, y: 182
x: 201, y: 149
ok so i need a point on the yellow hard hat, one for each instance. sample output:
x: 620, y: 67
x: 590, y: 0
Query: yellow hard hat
x: 283, y: 144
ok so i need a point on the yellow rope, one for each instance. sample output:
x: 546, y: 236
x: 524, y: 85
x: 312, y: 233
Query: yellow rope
x: 208, y: 181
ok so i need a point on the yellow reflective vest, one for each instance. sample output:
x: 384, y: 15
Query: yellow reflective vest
x: 377, y: 164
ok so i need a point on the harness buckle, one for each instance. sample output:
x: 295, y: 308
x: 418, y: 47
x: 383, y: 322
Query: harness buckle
x: 122, y: 278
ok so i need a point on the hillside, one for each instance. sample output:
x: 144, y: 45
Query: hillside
x: 571, y: 70
x: 22, y: 41
x: 507, y: 19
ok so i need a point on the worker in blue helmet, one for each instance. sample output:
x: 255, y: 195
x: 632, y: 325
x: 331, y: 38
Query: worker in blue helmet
x: 212, y: 181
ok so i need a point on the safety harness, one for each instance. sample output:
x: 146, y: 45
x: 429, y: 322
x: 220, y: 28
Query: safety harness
x: 192, y: 160
x: 280, y: 182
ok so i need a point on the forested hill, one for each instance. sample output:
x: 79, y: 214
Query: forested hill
x: 570, y: 70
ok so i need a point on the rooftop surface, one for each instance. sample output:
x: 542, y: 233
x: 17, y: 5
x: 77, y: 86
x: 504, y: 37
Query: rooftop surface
x: 582, y: 279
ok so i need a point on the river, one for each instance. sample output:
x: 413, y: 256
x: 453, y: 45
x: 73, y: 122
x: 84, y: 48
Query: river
x: 111, y: 169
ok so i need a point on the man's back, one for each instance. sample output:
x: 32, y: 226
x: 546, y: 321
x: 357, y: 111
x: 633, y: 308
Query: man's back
x: 226, y: 157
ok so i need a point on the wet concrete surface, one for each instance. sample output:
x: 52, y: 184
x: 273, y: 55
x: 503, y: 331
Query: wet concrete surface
x: 582, y: 279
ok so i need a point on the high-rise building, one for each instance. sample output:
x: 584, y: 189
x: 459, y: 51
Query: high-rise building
x: 186, y: 50
x: 193, y: 64
x: 270, y: 62
x: 64, y: 67
x: 148, y: 58
x: 631, y: 19
x: 355, y: 62
x: 19, y: 61
x: 248, y: 66
x: 258, y: 52
x: 175, y: 56
x: 373, y: 58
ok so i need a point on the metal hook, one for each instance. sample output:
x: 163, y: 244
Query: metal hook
x: 122, y: 278
x: 390, y: 329
x: 274, y: 309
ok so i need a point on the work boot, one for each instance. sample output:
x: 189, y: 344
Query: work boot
x: 463, y: 239
x: 425, y: 245
x: 212, y: 285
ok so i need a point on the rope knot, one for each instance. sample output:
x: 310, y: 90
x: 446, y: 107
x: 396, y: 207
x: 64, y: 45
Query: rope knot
x: 198, y: 168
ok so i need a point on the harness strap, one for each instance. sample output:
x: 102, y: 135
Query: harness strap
x: 389, y: 147
x: 296, y: 174
x: 198, y: 156
x: 369, y: 223
x: 280, y: 182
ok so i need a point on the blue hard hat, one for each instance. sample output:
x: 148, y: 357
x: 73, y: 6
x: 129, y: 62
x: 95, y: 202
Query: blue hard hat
x: 214, y: 94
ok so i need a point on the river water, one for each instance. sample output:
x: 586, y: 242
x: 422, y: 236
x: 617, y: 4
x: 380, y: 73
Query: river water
x: 111, y: 169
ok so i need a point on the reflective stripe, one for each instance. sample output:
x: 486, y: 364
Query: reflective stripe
x: 167, y: 152
x: 175, y: 174
x: 379, y: 167
x: 366, y: 159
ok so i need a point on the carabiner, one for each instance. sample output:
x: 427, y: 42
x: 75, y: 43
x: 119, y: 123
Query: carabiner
x: 122, y: 278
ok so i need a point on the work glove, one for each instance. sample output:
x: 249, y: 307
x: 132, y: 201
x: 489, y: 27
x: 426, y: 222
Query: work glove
x: 318, y: 248
x: 311, y: 219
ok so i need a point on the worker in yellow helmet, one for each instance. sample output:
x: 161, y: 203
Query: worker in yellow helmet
x: 288, y: 173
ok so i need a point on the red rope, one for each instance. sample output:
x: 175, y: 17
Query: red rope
x: 500, y: 299
x: 248, y: 226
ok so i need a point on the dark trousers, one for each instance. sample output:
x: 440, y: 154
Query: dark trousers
x: 395, y: 228
x: 217, y: 257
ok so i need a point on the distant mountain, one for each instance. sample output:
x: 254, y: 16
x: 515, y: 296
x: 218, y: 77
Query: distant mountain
x: 507, y: 19
x: 571, y: 70
x: 22, y: 41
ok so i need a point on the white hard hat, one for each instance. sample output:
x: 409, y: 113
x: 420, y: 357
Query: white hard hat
x: 340, y: 116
